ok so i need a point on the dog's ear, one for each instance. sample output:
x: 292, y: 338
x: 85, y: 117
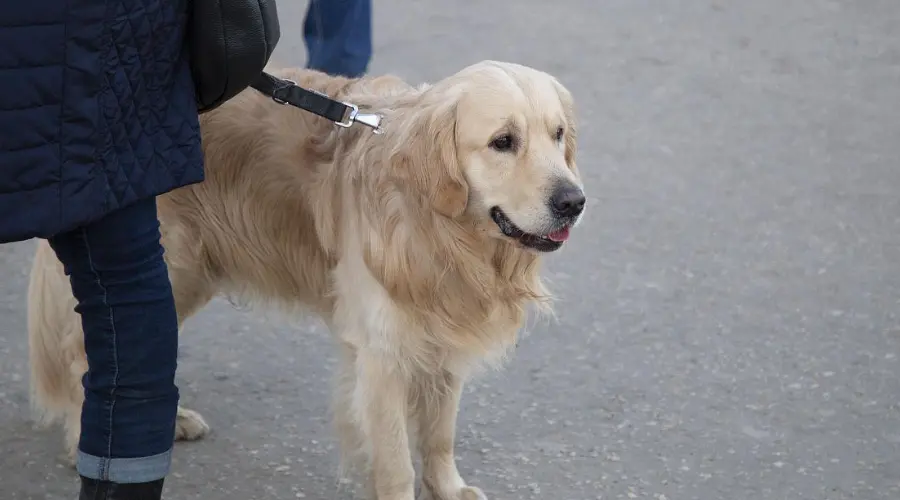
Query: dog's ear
x: 568, y: 105
x: 425, y: 157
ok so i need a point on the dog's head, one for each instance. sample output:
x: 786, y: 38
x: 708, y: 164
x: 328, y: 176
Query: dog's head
x: 496, y: 143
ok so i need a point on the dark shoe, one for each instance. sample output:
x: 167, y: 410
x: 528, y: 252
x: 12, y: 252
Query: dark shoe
x: 92, y: 489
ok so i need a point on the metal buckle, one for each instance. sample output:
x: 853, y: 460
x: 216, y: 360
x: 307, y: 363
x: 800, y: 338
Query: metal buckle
x: 282, y: 88
x: 371, y: 120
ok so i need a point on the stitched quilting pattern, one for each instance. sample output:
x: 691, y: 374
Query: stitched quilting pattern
x: 146, y: 78
x: 96, y: 110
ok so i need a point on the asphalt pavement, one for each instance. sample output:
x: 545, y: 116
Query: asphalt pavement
x: 728, y: 318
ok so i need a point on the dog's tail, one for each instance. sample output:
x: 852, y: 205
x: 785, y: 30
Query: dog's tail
x: 54, y: 338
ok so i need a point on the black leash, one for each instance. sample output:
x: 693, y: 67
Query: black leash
x: 341, y: 113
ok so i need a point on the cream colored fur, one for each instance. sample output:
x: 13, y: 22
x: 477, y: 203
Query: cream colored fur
x: 386, y: 237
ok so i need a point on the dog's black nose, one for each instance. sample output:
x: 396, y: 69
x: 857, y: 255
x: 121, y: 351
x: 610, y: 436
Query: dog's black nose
x: 567, y: 201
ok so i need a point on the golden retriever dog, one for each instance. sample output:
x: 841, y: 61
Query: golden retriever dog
x: 418, y: 247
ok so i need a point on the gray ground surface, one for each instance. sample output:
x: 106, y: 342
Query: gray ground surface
x: 728, y: 326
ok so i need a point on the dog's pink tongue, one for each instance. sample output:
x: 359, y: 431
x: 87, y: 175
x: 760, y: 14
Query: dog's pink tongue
x: 561, y: 235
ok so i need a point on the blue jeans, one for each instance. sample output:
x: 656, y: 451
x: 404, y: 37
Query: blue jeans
x: 118, y: 276
x: 338, y: 36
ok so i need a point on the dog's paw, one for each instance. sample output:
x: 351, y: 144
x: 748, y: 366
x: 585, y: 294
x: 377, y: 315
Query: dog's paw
x: 471, y: 493
x: 189, y: 425
x: 69, y: 459
x: 464, y: 493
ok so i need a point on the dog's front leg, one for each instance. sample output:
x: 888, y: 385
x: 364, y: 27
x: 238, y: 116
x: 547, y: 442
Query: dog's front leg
x: 381, y: 402
x: 437, y: 408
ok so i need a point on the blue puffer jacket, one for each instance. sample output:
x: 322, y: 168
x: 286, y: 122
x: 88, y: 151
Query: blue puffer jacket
x: 97, y: 110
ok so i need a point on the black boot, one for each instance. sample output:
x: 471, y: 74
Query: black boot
x: 92, y: 489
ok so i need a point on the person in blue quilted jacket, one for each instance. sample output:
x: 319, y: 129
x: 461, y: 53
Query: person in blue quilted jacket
x: 97, y: 117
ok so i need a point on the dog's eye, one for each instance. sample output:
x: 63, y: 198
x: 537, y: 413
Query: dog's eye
x: 503, y: 143
x: 559, y: 133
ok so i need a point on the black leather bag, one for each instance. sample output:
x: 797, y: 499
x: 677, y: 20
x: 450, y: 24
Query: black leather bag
x: 230, y: 43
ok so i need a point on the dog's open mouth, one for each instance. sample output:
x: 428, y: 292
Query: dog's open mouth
x: 542, y: 243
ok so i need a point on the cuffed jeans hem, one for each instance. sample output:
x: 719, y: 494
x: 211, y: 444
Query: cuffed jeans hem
x: 125, y: 470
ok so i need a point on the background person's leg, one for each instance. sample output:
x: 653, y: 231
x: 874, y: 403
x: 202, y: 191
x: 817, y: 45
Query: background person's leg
x: 127, y: 309
x: 338, y: 36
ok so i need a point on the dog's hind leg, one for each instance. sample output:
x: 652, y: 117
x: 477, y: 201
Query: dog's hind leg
x: 192, y: 290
